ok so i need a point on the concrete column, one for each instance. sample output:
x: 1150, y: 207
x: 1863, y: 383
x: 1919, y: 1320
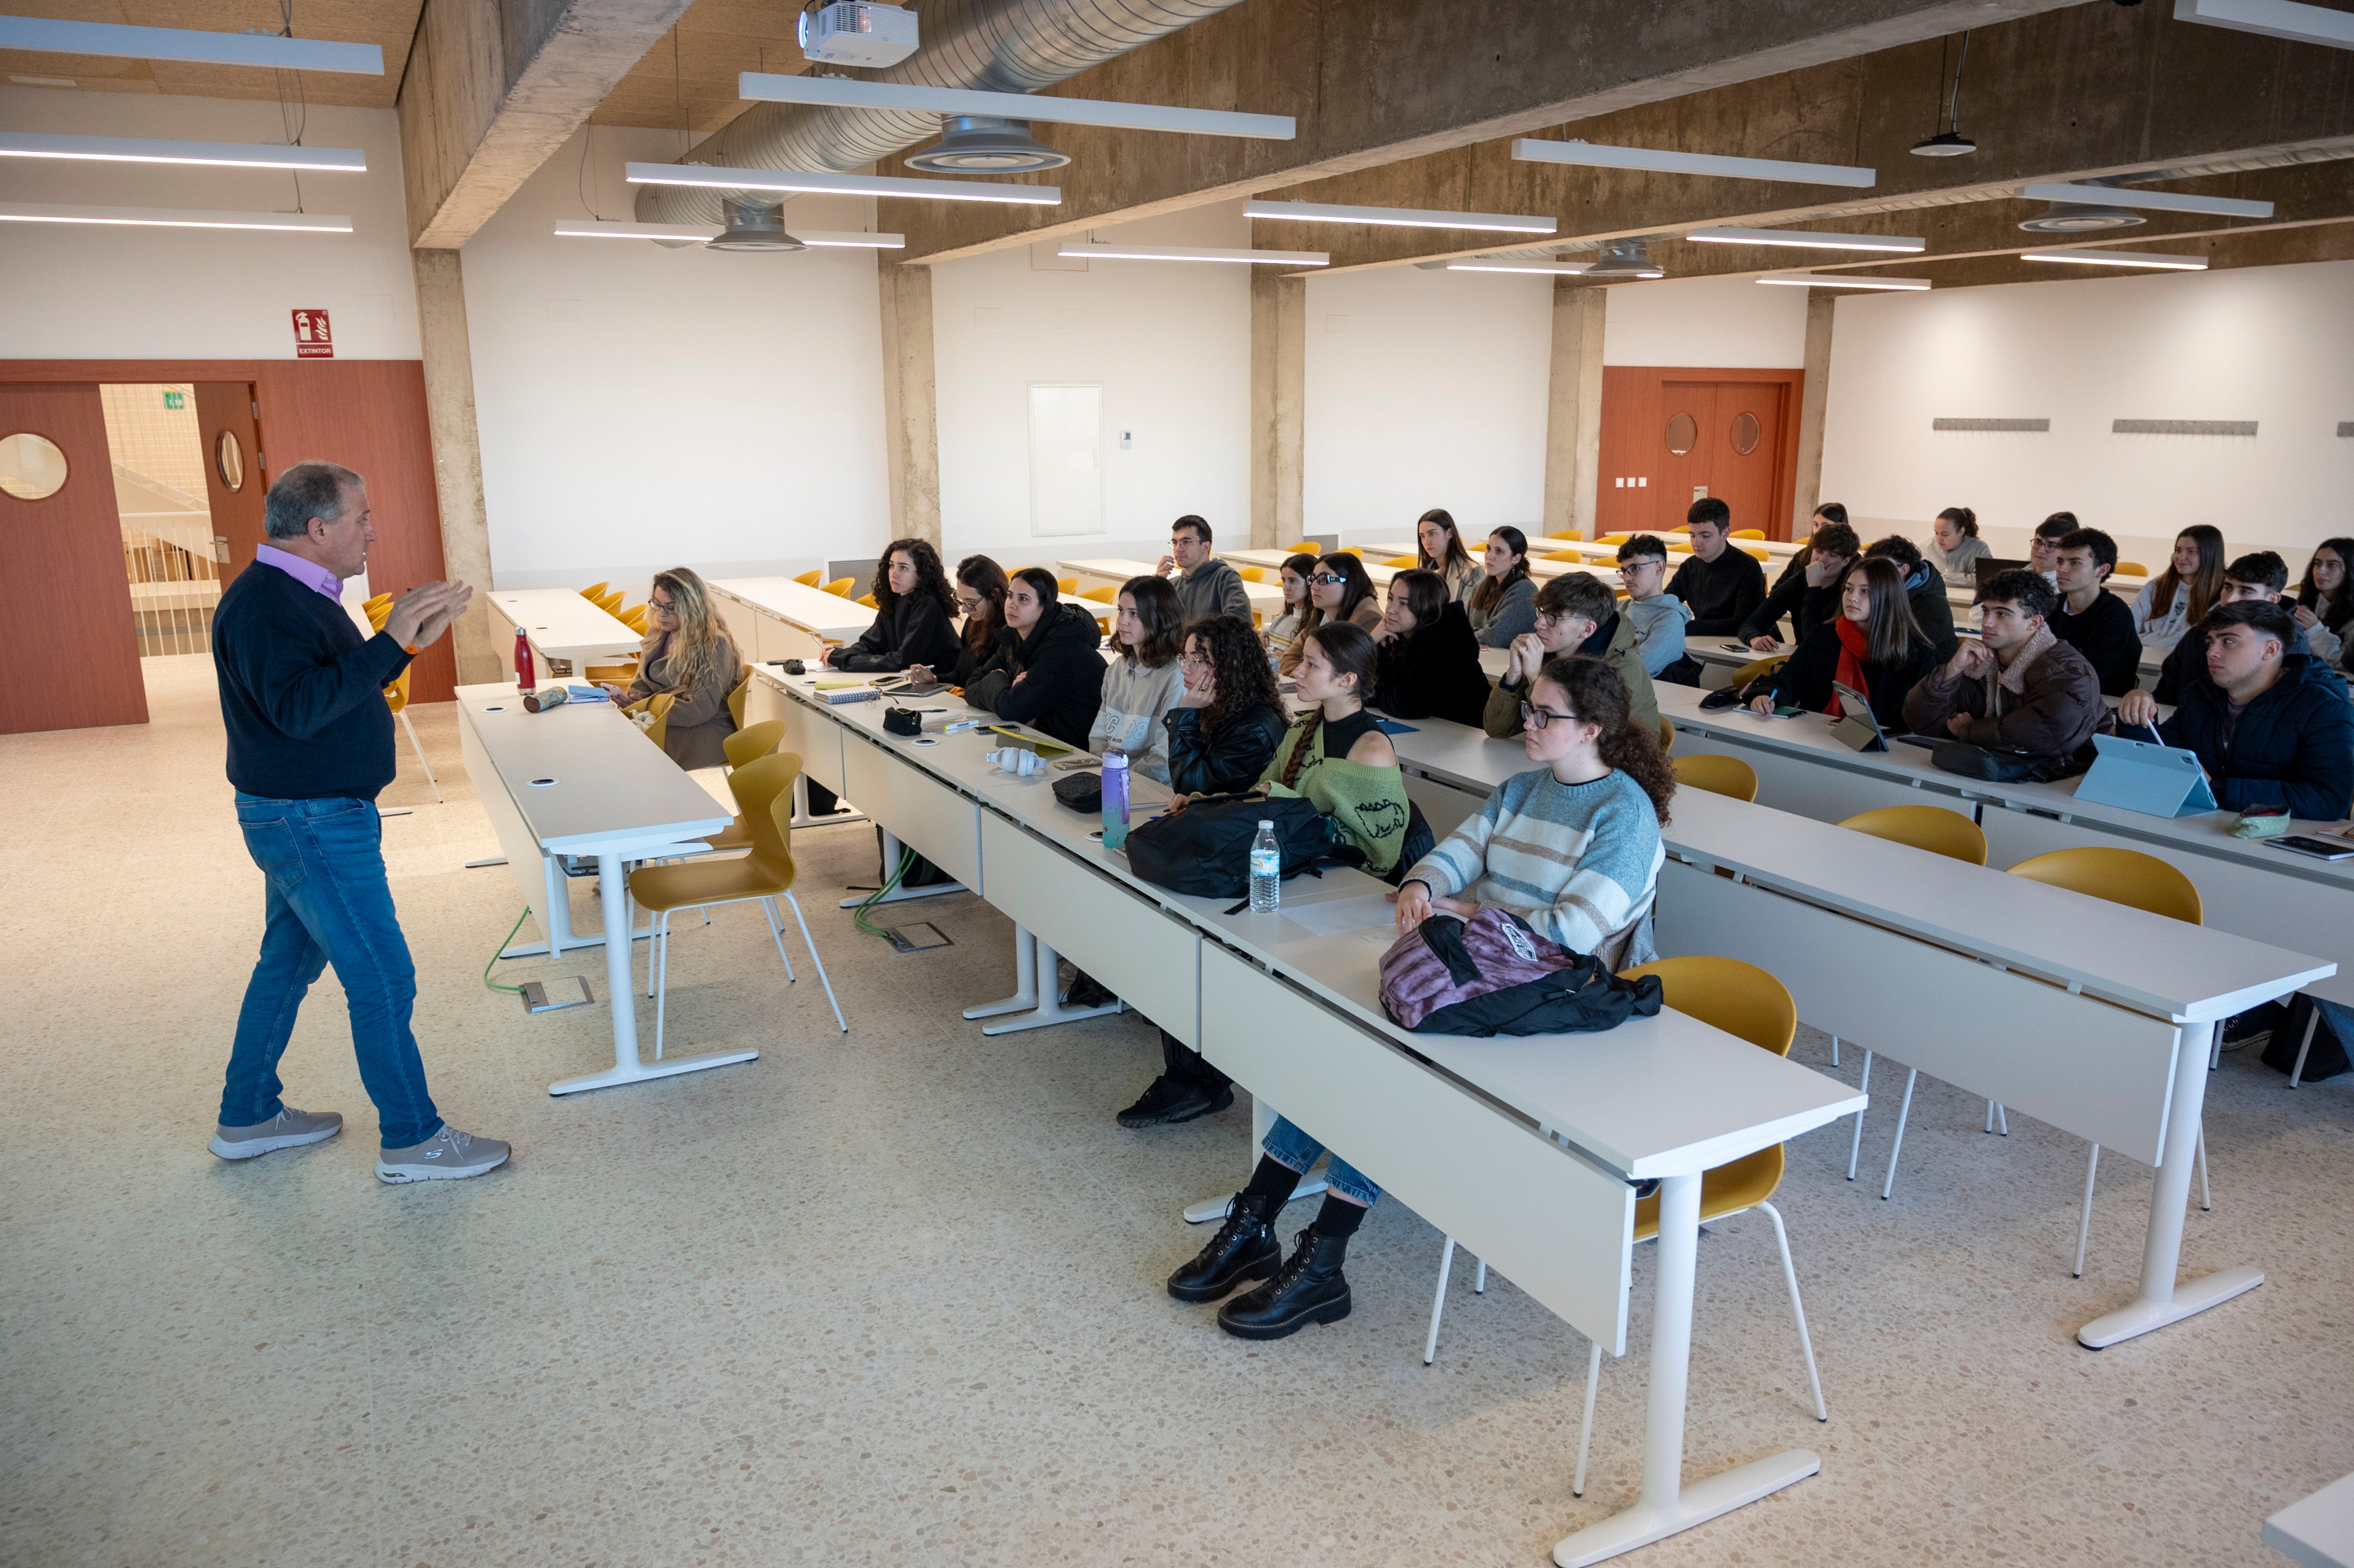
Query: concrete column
x: 1279, y: 361
x: 1573, y: 408
x: 457, y: 457
x: 1812, y: 398
x: 911, y: 422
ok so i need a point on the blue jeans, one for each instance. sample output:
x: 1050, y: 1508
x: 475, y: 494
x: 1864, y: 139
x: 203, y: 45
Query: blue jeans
x: 1287, y: 1145
x: 327, y: 902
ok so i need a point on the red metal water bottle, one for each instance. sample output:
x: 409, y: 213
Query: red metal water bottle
x: 523, y: 676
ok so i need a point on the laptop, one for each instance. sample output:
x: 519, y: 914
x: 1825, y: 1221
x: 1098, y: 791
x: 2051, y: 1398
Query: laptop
x: 1990, y: 566
x: 1858, y: 727
x: 2145, y: 776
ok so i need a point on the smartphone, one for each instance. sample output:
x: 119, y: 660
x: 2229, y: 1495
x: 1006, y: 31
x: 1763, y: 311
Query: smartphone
x: 2319, y: 849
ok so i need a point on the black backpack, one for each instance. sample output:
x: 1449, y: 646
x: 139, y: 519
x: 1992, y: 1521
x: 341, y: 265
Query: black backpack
x: 1205, y: 848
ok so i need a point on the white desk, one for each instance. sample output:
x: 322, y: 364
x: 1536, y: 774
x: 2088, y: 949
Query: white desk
x: 777, y: 617
x: 575, y: 780
x: 1266, y: 599
x: 2319, y: 1531
x: 560, y: 624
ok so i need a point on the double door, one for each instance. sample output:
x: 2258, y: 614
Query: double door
x: 1671, y: 437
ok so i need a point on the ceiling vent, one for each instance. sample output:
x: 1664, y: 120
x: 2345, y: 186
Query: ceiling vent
x: 2081, y: 218
x: 754, y: 228
x: 1622, y: 258
x: 986, y: 145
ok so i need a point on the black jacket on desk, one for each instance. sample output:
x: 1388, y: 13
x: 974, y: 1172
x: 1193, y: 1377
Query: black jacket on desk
x: 914, y: 631
x: 1052, y: 679
x: 302, y: 692
x: 1224, y: 763
x: 1433, y: 672
x: 2294, y: 745
x: 1722, y: 593
x: 2105, y: 635
x: 1804, y: 681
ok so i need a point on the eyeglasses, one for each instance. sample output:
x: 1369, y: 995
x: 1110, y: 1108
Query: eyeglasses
x: 971, y: 603
x: 665, y: 606
x: 1192, y: 662
x: 1333, y: 577
x: 1538, y: 718
x: 1547, y: 618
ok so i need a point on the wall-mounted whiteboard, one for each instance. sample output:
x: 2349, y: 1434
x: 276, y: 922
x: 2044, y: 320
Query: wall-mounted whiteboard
x: 1066, y: 492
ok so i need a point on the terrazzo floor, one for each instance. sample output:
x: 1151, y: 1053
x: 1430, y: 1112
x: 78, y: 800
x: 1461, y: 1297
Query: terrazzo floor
x: 894, y: 1296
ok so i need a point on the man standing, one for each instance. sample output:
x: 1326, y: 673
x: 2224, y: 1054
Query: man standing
x: 1723, y: 586
x: 310, y: 746
x: 1210, y: 586
x: 2015, y: 687
x: 2089, y: 618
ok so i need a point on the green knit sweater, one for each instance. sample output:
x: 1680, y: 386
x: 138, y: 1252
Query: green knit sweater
x: 1366, y: 806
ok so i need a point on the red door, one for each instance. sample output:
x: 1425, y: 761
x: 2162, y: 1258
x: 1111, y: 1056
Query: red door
x: 234, y: 482
x: 1672, y: 435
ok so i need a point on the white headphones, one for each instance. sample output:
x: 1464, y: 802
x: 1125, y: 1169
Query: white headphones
x: 1014, y: 760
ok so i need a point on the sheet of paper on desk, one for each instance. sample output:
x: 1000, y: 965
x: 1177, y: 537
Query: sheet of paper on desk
x: 1368, y: 912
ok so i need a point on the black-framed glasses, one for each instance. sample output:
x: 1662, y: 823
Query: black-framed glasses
x: 665, y: 606
x: 1538, y: 718
x: 1333, y: 577
x: 1547, y: 618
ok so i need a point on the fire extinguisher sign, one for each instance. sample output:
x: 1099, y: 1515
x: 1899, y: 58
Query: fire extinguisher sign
x: 311, y: 338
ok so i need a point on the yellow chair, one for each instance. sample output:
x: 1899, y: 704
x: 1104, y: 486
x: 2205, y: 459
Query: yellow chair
x: 763, y: 789
x: 736, y: 697
x: 1741, y: 1000
x: 1577, y: 555
x: 1753, y: 553
x: 395, y: 696
x: 2131, y: 569
x: 1746, y: 534
x: 1404, y: 563
x: 1667, y: 733
x: 1613, y: 538
x: 745, y: 748
x: 1757, y: 670
x: 1104, y: 594
x: 374, y: 602
x: 868, y: 600
x: 840, y: 586
x: 1940, y: 831
x: 1066, y: 585
x: 1716, y: 774
x: 1356, y: 550
x: 1251, y: 573
x: 811, y: 577
x: 1578, y: 534
x: 595, y: 591
x: 611, y: 603
x: 634, y: 617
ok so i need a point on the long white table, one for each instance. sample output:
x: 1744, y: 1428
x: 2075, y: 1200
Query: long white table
x: 777, y: 617
x: 560, y: 624
x: 582, y: 779
x: 2316, y: 1531
x: 1522, y: 1150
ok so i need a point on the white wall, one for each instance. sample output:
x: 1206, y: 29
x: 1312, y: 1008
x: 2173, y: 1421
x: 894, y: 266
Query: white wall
x: 1734, y: 322
x: 2274, y: 345
x: 1425, y: 388
x: 1168, y: 341
x: 77, y: 292
x: 641, y: 408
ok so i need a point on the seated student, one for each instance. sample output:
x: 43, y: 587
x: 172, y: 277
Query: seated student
x: 1874, y: 647
x: 1577, y: 613
x: 2044, y: 544
x: 912, y: 607
x: 1723, y: 586
x: 2089, y: 618
x: 686, y: 652
x: 1045, y: 672
x: 2014, y: 687
x: 1658, y: 616
x: 1339, y: 590
x: 1573, y: 848
x: 2325, y: 608
x: 981, y: 596
x: 1504, y: 604
x: 1334, y: 756
x: 1208, y: 586
x: 1957, y: 550
x: 2257, y: 577
x: 1426, y: 664
x: 2180, y: 596
x: 1142, y: 686
x: 2272, y: 726
x: 1804, y: 591
x: 1924, y: 591
x: 1297, y: 575
x: 1440, y: 550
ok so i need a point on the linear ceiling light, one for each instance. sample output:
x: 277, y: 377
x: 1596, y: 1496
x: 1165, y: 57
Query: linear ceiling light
x: 624, y: 228
x: 705, y: 176
x: 1115, y: 251
x: 1399, y: 216
x: 1551, y: 269
x: 187, y: 45
x: 173, y: 217
x: 837, y: 93
x: 1591, y: 155
x: 2272, y: 18
x: 217, y: 154
x: 1833, y: 280
x: 2153, y: 201
x: 1801, y: 239
x: 2159, y: 259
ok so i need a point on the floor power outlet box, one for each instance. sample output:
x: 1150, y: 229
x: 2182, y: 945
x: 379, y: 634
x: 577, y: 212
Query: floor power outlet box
x: 555, y: 995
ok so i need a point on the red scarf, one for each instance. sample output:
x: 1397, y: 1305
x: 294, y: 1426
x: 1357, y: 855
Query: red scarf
x: 1852, y: 648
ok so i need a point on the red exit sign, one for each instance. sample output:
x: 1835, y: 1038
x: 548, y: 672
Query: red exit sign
x: 313, y: 339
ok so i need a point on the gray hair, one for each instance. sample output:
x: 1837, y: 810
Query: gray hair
x: 307, y: 490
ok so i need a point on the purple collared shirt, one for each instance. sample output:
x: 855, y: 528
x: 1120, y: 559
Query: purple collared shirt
x: 310, y: 574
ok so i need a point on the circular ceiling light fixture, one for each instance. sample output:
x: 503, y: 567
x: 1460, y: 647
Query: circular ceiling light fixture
x: 2081, y: 218
x: 986, y: 145
x: 1624, y: 258
x: 1944, y: 144
x: 752, y: 226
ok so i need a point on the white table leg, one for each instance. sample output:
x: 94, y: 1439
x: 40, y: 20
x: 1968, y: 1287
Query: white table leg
x: 1668, y: 1505
x: 891, y: 848
x: 801, y: 818
x: 627, y: 1068
x: 559, y: 919
x: 1208, y: 1209
x: 1050, y: 1007
x: 1025, y: 981
x: 2160, y: 1300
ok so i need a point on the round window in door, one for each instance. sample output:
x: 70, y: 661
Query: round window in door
x: 1683, y: 434
x: 230, y: 459
x: 31, y: 466
x: 1746, y: 431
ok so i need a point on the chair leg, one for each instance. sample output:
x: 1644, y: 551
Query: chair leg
x: 1438, y: 1302
x: 1855, y: 1144
x: 2312, y: 1023
x: 1479, y: 1282
x: 418, y: 746
x: 1797, y: 1311
x: 1585, y: 1430
x: 658, y: 963
x: 777, y: 935
x: 2085, y: 1223
x: 818, y: 961
x: 2002, y: 1118
x: 2206, y: 1198
x: 1902, y: 1115
x: 1834, y: 1050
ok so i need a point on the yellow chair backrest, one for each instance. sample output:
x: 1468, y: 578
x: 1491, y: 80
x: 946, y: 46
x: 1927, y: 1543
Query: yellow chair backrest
x: 1755, y: 553
x: 1667, y: 731
x: 1578, y: 534
x: 811, y: 577
x: 736, y: 695
x: 1105, y: 595
x: 763, y: 789
x: 1932, y: 828
x: 376, y: 601
x: 1356, y: 550
x: 2121, y: 876
x: 634, y: 617
x: 659, y: 707
x: 595, y: 591
x: 1746, y: 534
x: 1717, y: 774
x: 1613, y: 538
x: 378, y: 613
x: 1562, y: 555
x: 869, y: 600
x: 1744, y: 1001
x: 1757, y: 670
x: 1066, y: 585
x: 396, y: 696
x: 1251, y: 573
x: 840, y: 586
x: 1403, y: 562
x: 751, y: 744
x: 2132, y: 569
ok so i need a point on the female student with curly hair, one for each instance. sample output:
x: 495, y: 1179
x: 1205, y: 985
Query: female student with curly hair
x: 1224, y: 729
x: 912, y: 607
x: 687, y: 655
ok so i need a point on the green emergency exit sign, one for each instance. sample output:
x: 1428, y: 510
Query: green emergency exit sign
x: 176, y: 399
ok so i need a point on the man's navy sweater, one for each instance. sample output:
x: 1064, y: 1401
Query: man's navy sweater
x: 301, y: 692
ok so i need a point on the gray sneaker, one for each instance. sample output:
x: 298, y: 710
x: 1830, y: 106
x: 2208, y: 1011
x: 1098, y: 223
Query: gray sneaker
x: 448, y: 1156
x: 290, y: 1129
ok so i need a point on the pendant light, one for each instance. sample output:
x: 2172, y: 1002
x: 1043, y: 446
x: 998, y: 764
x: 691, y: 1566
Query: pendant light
x: 1949, y: 143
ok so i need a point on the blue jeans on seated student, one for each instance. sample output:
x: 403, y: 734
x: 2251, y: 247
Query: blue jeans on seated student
x: 327, y: 902
x: 1287, y: 1145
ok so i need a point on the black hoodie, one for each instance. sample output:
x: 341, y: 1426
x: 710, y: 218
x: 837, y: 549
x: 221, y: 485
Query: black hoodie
x: 1433, y: 672
x: 2293, y: 746
x: 1052, y: 679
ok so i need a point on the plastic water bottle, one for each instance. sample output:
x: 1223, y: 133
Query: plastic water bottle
x: 1266, y: 872
x: 1115, y: 799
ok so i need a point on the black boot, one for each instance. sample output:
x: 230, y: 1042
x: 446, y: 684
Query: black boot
x: 1244, y: 1248
x: 1310, y: 1289
x: 1170, y: 1101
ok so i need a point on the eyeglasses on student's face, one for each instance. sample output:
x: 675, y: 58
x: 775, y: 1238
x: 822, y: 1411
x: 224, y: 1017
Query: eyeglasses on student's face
x: 664, y: 605
x: 1538, y: 718
x: 1334, y: 579
x: 971, y: 603
x: 1192, y: 661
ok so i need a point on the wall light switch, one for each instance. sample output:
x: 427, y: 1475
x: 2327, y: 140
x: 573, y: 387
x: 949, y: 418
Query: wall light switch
x: 1644, y: 482
x: 1700, y: 493
x: 1127, y: 440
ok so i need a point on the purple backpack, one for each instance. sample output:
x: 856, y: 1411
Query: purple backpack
x: 1491, y: 975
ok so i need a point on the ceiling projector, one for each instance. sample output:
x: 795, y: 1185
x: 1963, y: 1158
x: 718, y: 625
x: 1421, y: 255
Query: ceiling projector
x: 855, y: 33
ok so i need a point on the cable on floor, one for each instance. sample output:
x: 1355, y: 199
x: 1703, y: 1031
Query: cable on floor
x: 858, y: 916
x: 512, y: 990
